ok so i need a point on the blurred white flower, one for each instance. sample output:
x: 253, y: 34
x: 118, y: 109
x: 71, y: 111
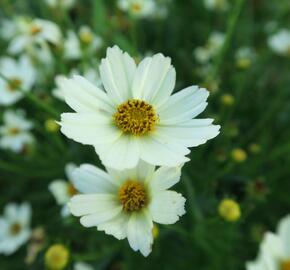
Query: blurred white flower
x: 30, y: 32
x: 138, y: 8
x: 126, y: 203
x: 219, y: 5
x: 136, y: 118
x: 274, y: 251
x: 90, y: 74
x: 63, y: 190
x: 280, y: 42
x: 245, y: 56
x: 15, y: 133
x: 14, y: 227
x: 20, y: 74
x: 72, y: 47
x: 82, y: 266
x: 86, y: 42
x: 65, y: 4
x: 91, y: 42
x: 211, y: 48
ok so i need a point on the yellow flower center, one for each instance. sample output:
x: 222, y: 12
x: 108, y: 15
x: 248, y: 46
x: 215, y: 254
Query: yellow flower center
x: 133, y: 196
x: 71, y: 190
x: 135, y: 7
x: 56, y: 257
x: 15, y: 229
x: 135, y: 117
x: 14, y: 84
x: 14, y: 131
x: 86, y: 37
x: 35, y: 29
x: 285, y: 265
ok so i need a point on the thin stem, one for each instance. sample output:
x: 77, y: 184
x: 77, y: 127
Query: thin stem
x: 232, y: 25
x: 35, y: 100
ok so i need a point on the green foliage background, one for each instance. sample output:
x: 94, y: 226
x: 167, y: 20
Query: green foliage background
x: 261, y: 114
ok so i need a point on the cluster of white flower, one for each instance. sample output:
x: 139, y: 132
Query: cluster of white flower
x: 134, y: 124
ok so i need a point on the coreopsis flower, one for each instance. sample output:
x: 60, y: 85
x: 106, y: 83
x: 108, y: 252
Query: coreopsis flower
x: 90, y: 74
x: 274, y: 251
x: 65, y: 4
x: 19, y: 75
x: 126, y: 203
x: 229, y: 210
x: 56, y: 257
x: 138, y: 8
x: 30, y: 32
x: 14, y: 227
x: 207, y: 52
x: 15, y: 133
x: 280, y: 42
x: 245, y: 56
x: 63, y: 190
x: 136, y: 117
x: 90, y: 41
x: 218, y: 5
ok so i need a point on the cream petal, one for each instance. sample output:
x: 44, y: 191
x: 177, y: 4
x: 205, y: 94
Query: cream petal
x: 139, y: 232
x: 187, y: 135
x: 86, y: 204
x: 89, y: 128
x: 154, y: 80
x: 59, y: 189
x: 284, y: 234
x: 164, y: 178
x: 89, y: 179
x: 156, y: 152
x: 24, y: 214
x: 117, y: 72
x: 116, y: 226
x: 166, y: 207
x: 272, y: 245
x: 82, y: 96
x: 123, y: 153
x: 184, y: 105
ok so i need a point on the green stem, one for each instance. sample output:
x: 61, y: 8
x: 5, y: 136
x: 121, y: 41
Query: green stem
x: 232, y: 25
x: 35, y: 100
x: 195, y: 211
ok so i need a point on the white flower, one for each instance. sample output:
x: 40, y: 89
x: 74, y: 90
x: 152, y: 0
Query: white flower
x: 280, y: 42
x: 63, y: 190
x: 31, y: 32
x: 274, y: 250
x: 72, y: 47
x: 212, y: 47
x: 90, y: 74
x: 220, y: 5
x: 136, y: 118
x: 15, y: 133
x: 126, y: 203
x: 65, y: 4
x: 20, y: 74
x: 138, y: 8
x: 245, y: 57
x: 82, y: 266
x: 89, y: 39
x: 14, y: 227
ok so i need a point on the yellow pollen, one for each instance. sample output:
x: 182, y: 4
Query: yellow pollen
x: 133, y: 196
x: 86, y: 37
x: 15, y: 229
x: 135, y: 117
x: 14, y: 84
x: 35, y: 29
x: 285, y: 265
x: 71, y: 190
